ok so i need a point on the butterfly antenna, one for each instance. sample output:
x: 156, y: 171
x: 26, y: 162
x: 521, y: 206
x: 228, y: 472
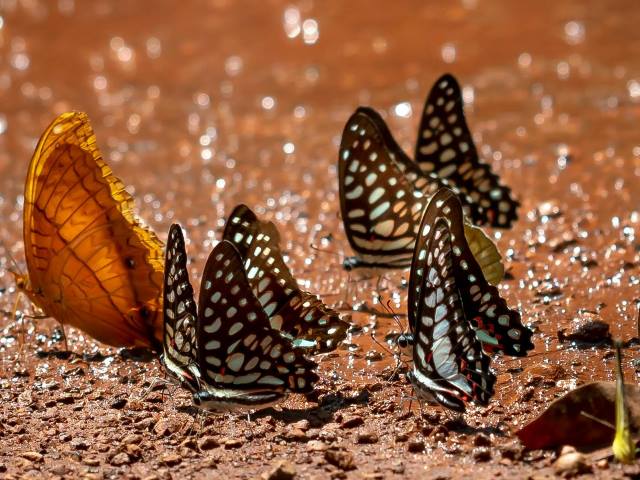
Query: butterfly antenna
x: 316, y: 248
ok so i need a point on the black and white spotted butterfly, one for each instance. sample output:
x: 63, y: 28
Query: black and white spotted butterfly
x: 445, y: 147
x: 299, y: 315
x: 180, y: 352
x: 239, y: 361
x: 455, y: 316
x: 383, y: 192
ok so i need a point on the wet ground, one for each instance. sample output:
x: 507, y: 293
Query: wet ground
x: 200, y: 107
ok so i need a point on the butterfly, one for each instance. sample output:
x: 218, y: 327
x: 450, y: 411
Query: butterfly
x: 383, y: 192
x: 91, y: 263
x: 299, y: 315
x: 224, y: 350
x: 456, y: 317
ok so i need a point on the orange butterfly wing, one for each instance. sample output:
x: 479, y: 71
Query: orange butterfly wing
x: 91, y: 263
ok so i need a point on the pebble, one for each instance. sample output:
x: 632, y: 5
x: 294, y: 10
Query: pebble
x: 118, y: 403
x: 282, y: 470
x: 586, y: 331
x: 207, y: 442
x: 66, y: 399
x: 302, y: 425
x: 482, y: 454
x: 133, y: 450
x: 295, y: 435
x: 32, y: 456
x: 340, y: 458
x: 91, y: 461
x: 415, y: 446
x: 367, y: 437
x: 482, y: 440
x: 79, y: 444
x: 171, y: 459
x: 120, y: 459
x: 352, y: 422
x: 316, y: 446
x: 164, y: 428
x: 230, y: 443
x: 571, y: 462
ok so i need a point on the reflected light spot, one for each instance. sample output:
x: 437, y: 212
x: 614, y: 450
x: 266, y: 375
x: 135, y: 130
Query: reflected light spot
x: 268, y: 103
x: 233, y: 65
x: 524, y: 60
x: 574, y: 32
x: 20, y: 61
x: 288, y: 148
x: 310, y: 31
x: 291, y: 22
x: 403, y: 110
x: 448, y: 52
x: 154, y: 47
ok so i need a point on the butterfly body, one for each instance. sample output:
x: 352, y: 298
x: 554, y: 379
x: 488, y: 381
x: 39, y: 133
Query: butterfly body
x: 91, y: 263
x: 383, y: 192
x: 455, y: 316
x: 219, y: 400
x: 225, y: 350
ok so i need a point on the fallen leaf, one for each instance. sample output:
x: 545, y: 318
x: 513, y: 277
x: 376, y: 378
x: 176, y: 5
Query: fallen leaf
x: 564, y: 422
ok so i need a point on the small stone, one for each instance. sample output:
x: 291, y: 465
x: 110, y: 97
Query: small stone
x: 415, y: 446
x: 189, y: 443
x: 79, y: 444
x: 133, y: 450
x: 295, y: 435
x: 3, y: 468
x: 402, y: 437
x: 91, y: 461
x: 59, y: 470
x: 282, y: 470
x: 602, y: 464
x: 397, y: 467
x: 352, y: 422
x: 367, y: 437
x: 66, y: 399
x: 230, y: 443
x: 482, y: 454
x: 316, y: 446
x: 482, y: 440
x: 132, y: 438
x: 571, y: 463
x: 32, y: 456
x: 163, y: 428
x: 120, y: 459
x: 585, y: 330
x: 208, y: 442
x: 118, y: 403
x: 340, y: 458
x: 302, y: 425
x: 144, y: 424
x: 171, y: 459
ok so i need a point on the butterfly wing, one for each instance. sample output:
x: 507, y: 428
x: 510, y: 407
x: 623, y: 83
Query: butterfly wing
x: 300, y: 315
x: 237, y: 348
x: 383, y: 193
x: 180, y: 313
x: 448, y: 362
x: 445, y: 147
x: 497, y: 326
x: 91, y: 263
x: 379, y: 202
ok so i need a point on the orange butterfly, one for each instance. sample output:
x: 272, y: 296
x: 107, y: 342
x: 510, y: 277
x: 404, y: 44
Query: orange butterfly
x: 91, y: 263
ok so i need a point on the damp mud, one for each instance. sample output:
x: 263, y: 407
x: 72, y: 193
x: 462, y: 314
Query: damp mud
x: 214, y: 103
